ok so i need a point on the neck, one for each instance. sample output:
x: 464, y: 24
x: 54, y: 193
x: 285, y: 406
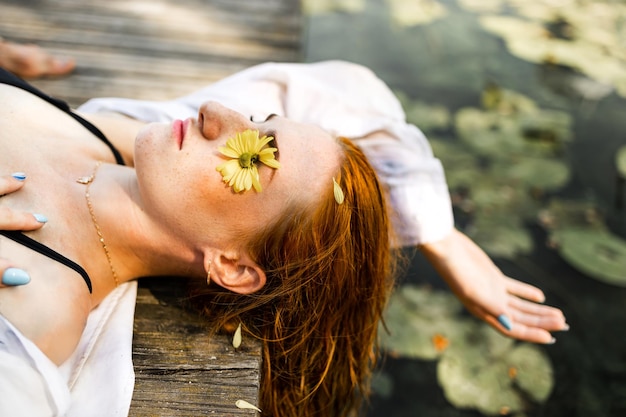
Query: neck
x: 136, y: 244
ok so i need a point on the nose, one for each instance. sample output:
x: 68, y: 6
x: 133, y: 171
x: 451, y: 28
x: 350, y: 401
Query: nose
x: 216, y: 120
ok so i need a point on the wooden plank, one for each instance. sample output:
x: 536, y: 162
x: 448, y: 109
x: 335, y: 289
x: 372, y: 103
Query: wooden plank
x: 183, y: 370
x: 156, y: 49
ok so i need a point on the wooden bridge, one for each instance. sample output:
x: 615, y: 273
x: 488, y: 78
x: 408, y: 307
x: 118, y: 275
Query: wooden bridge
x: 158, y: 50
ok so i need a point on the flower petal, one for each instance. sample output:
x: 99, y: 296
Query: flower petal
x: 237, y: 172
x: 254, y: 176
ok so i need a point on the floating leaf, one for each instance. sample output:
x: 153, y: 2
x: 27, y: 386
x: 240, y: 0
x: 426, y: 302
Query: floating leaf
x: 415, y: 316
x: 594, y: 252
x: 428, y: 117
x: 313, y: 7
x: 476, y: 378
x: 416, y: 12
x: 533, y: 372
x: 566, y: 214
x: 595, y: 50
x: 501, y: 235
x: 475, y: 361
x: 462, y: 167
x: 542, y: 173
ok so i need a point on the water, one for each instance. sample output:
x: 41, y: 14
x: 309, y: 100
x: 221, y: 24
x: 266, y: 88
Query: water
x: 449, y: 62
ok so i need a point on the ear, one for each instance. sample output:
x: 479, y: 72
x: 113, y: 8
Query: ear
x: 235, y: 272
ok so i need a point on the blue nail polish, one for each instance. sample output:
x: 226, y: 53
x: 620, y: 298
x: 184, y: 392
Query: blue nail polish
x: 504, y: 320
x: 19, y: 176
x: 15, y: 276
x: 40, y: 218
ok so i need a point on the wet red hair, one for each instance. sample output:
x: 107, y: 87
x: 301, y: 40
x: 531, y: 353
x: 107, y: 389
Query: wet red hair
x: 329, y: 276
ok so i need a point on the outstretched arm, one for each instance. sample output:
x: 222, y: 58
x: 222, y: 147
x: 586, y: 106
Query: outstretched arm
x: 490, y: 295
x: 15, y: 220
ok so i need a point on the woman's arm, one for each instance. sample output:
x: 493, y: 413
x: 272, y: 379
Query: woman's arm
x: 490, y: 295
x: 15, y: 220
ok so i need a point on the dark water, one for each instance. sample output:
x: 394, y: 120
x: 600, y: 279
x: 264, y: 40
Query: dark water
x: 449, y: 62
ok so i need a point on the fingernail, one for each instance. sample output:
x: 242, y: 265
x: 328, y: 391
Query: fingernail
x: 504, y: 320
x: 20, y: 176
x: 551, y: 342
x: 15, y: 276
x: 565, y: 328
x: 40, y: 218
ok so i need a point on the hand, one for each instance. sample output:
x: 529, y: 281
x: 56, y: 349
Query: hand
x: 510, y: 306
x: 15, y: 220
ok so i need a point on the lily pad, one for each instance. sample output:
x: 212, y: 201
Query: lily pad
x: 596, y: 253
x: 478, y: 367
x: 481, y: 6
x: 488, y: 133
x: 533, y: 371
x: 562, y: 214
x: 415, y: 316
x: 620, y: 161
x: 495, y: 384
x: 551, y: 127
x: 428, y: 117
x: 594, y: 51
x: 501, y: 235
x: 416, y: 12
x: 312, y: 7
x: 462, y: 167
x: 538, y: 173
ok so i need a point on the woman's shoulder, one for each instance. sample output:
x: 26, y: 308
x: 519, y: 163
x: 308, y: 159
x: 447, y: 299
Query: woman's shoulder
x: 52, y: 309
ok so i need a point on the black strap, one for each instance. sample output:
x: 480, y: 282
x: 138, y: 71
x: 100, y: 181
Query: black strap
x: 10, y: 79
x: 44, y: 250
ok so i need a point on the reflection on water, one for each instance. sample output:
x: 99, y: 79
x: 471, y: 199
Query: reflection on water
x: 523, y: 101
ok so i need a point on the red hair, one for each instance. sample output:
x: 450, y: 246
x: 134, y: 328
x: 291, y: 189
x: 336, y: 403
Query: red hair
x: 329, y: 276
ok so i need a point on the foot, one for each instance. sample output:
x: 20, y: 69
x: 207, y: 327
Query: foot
x: 31, y: 61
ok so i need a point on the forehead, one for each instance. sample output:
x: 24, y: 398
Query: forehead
x: 309, y: 157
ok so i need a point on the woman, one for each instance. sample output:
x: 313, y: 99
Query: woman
x: 306, y: 254
x: 321, y: 374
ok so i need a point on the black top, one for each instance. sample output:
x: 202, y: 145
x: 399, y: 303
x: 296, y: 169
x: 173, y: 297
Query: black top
x: 10, y: 79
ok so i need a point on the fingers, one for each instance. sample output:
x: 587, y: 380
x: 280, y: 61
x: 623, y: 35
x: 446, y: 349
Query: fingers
x: 537, y: 316
x: 11, y: 183
x: 532, y: 334
x: 18, y: 220
x: 15, y: 220
x: 523, y: 290
x: 528, y: 321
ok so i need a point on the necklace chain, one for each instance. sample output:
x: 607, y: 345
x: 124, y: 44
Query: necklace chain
x: 87, y: 182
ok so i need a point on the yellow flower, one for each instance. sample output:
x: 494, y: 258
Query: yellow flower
x: 246, y: 149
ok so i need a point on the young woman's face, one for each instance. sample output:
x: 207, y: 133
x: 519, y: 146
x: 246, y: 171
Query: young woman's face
x: 176, y: 167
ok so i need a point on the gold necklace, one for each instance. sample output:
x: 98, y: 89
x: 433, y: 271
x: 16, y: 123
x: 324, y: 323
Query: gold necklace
x: 87, y: 182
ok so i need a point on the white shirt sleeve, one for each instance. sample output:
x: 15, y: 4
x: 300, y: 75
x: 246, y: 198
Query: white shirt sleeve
x: 345, y: 99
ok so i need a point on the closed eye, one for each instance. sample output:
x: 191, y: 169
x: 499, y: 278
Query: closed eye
x: 273, y: 143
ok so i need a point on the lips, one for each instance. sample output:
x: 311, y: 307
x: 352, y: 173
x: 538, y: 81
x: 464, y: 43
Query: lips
x: 178, y: 132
